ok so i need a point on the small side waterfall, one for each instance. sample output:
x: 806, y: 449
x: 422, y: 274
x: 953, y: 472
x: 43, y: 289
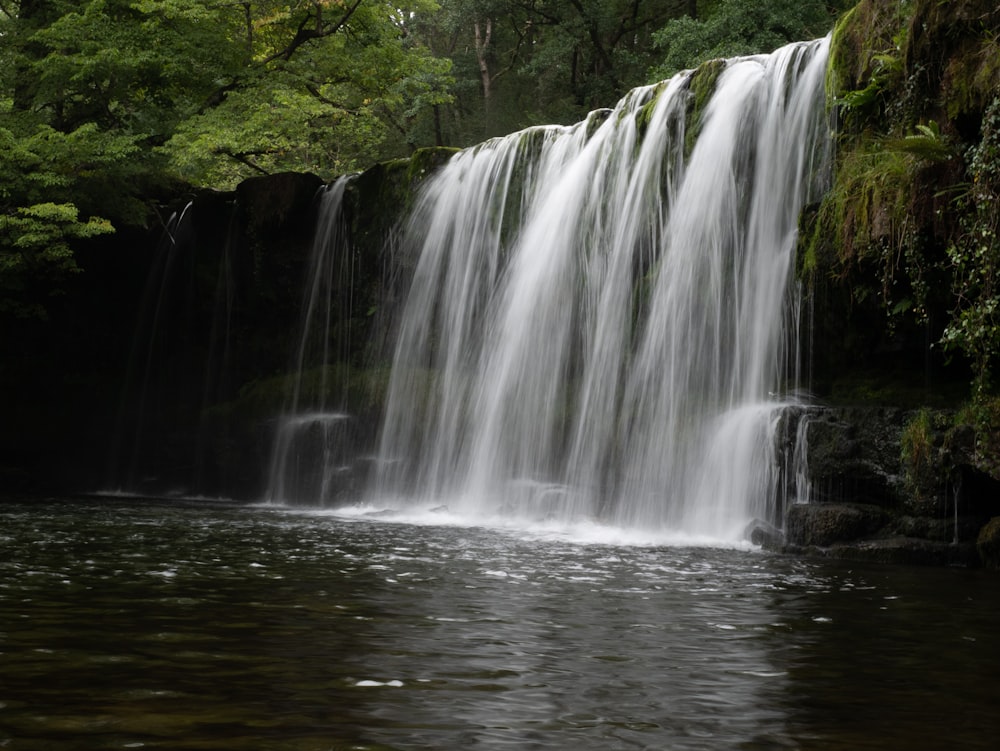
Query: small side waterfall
x: 162, y: 322
x: 602, y: 323
x: 180, y: 365
x: 313, y: 435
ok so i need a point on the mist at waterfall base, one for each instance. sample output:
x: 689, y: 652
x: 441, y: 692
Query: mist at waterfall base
x: 602, y: 325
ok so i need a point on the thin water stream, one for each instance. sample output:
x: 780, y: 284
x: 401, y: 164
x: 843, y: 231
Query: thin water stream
x: 205, y: 625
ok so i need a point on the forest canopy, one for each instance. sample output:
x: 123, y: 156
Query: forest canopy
x: 107, y: 103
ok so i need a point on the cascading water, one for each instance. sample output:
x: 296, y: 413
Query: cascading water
x: 310, y: 453
x: 601, y: 321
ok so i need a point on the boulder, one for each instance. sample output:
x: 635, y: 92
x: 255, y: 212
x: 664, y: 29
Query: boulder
x: 823, y: 524
x: 853, y: 455
x: 988, y: 544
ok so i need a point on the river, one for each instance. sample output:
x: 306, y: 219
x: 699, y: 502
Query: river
x: 161, y: 624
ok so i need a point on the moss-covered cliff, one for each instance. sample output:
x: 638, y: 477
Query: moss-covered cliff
x: 902, y: 256
x: 905, y: 240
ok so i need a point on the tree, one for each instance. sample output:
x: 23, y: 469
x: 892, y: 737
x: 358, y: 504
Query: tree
x: 105, y: 103
x: 328, y: 86
x: 198, y: 80
x: 727, y: 28
x: 524, y: 62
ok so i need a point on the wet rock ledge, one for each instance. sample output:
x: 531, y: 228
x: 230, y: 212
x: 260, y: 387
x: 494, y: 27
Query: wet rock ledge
x: 894, y: 486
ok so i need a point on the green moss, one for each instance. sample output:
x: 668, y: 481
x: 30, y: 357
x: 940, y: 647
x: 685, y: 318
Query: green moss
x: 866, y: 209
x: 866, y: 63
x: 916, y: 445
x: 971, y: 78
x: 983, y: 415
x: 810, y: 243
x: 645, y: 113
x: 841, y: 52
x: 900, y: 254
x: 701, y: 86
x: 423, y: 162
x: 595, y: 120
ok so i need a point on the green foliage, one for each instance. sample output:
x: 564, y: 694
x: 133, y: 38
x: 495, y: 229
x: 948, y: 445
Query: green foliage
x: 917, y: 449
x: 983, y: 414
x: 912, y: 219
x: 46, y: 177
x: 867, y: 204
x: 975, y: 259
x: 35, y: 243
x: 220, y: 91
x: 867, y: 62
x: 868, y: 102
x: 105, y: 103
x: 739, y: 27
x: 973, y: 76
x: 871, y: 217
x: 332, y: 100
x: 540, y: 61
x: 927, y: 144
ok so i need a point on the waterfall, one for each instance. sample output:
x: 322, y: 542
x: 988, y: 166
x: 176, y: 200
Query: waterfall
x: 800, y: 460
x: 162, y: 320
x: 310, y: 457
x: 179, y: 366
x: 601, y: 323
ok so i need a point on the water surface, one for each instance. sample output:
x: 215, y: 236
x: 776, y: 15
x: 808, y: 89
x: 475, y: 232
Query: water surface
x: 200, y: 625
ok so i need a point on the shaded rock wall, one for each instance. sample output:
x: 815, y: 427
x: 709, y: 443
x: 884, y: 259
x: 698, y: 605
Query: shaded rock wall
x: 891, y: 485
x: 160, y: 367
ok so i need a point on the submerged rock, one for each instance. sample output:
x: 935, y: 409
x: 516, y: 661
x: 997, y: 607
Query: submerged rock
x: 765, y: 534
x: 899, y: 550
x: 988, y: 544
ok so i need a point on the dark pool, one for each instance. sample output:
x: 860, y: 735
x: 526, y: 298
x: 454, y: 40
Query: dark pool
x: 206, y: 625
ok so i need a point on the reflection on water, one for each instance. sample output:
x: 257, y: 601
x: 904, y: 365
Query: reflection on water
x: 127, y: 624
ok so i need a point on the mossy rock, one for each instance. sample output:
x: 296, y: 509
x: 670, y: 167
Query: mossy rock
x: 644, y: 114
x: 824, y: 524
x: 960, y: 38
x: 854, y: 455
x: 988, y: 544
x: 701, y: 85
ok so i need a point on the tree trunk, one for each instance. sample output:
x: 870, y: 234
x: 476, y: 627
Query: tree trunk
x: 484, y: 34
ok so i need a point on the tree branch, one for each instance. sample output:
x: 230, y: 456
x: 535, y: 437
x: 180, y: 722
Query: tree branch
x: 304, y: 34
x: 244, y: 159
x: 314, y: 90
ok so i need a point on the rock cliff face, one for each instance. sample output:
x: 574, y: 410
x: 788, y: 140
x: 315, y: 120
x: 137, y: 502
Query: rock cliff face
x: 900, y: 261
x: 888, y: 484
x: 159, y: 369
